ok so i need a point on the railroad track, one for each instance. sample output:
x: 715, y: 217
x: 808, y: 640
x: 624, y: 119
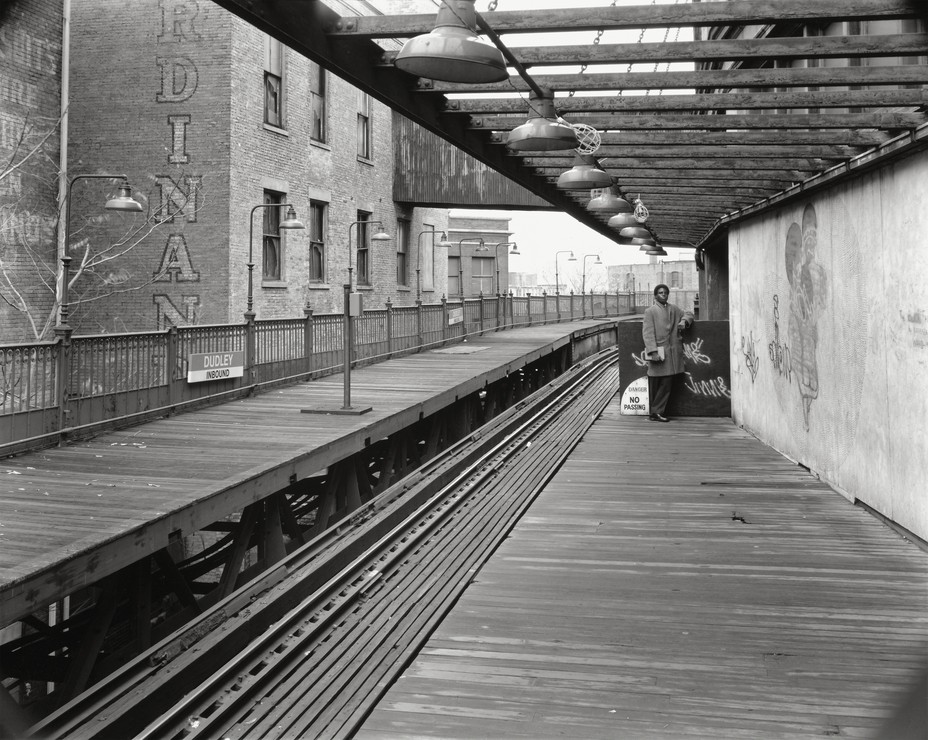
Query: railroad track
x: 309, y: 649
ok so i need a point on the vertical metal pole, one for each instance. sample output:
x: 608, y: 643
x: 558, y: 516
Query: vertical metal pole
x: 346, y: 404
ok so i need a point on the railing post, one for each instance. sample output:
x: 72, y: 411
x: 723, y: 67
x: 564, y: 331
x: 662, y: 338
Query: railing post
x: 544, y: 307
x: 389, y: 327
x: 308, y: 338
x: 480, y: 298
x: 583, y: 304
x: 528, y: 308
x: 512, y: 316
x: 171, y: 363
x: 572, y: 305
x: 444, y: 318
x: 419, y: 339
x: 64, y: 376
x: 250, y: 348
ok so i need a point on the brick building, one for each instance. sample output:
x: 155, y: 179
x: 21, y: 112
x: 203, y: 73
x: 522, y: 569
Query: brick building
x: 478, y: 259
x: 211, y: 120
x: 30, y: 104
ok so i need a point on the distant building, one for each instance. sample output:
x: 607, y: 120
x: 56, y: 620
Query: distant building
x: 478, y: 260
x: 679, y: 275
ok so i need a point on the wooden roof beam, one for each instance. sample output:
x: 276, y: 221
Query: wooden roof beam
x: 761, y: 77
x: 697, y: 123
x: 703, y: 101
x: 798, y: 47
x: 740, y: 139
x: 736, y: 12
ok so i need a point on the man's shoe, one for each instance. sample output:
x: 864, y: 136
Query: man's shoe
x: 658, y: 417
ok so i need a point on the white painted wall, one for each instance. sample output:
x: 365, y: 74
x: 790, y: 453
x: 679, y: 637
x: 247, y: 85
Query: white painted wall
x: 831, y: 367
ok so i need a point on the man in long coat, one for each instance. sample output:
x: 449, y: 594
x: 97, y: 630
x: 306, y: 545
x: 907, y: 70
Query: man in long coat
x: 662, y: 330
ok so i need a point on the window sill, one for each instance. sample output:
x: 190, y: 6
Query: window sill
x: 364, y: 287
x: 365, y: 160
x: 320, y: 145
x: 275, y: 284
x: 319, y: 286
x: 276, y: 130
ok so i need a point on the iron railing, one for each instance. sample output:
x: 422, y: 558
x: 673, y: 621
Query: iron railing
x: 83, y: 384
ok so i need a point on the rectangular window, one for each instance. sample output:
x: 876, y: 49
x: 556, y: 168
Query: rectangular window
x: 676, y: 279
x: 317, y: 89
x: 361, y: 246
x: 273, y: 82
x: 402, y: 252
x: 454, y: 276
x: 317, y: 229
x: 482, y: 275
x: 271, y: 260
x: 365, y: 150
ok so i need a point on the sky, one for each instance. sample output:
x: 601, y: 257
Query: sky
x: 540, y: 234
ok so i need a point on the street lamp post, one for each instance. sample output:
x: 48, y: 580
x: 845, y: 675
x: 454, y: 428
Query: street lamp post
x: 123, y: 202
x: 480, y: 248
x: 557, y: 279
x: 514, y: 250
x: 348, y: 330
x: 585, y: 258
x: 290, y: 222
x: 443, y: 242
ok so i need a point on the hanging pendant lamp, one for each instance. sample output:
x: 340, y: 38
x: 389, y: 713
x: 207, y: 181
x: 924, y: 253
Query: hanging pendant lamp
x: 656, y: 251
x: 621, y: 220
x: 585, y: 174
x: 544, y: 131
x: 635, y: 232
x: 452, y: 51
x: 609, y: 203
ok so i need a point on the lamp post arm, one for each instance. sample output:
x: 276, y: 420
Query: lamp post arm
x: 63, y: 303
x: 250, y: 313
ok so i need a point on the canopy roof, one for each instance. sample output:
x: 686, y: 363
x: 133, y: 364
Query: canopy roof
x: 741, y: 105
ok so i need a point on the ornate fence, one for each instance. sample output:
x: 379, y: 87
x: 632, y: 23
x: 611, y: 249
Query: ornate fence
x: 82, y: 384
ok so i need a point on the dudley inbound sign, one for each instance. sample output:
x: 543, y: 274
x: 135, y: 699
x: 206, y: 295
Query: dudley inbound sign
x: 215, y: 366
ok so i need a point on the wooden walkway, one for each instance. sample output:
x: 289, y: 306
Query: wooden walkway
x: 72, y: 515
x: 676, y: 580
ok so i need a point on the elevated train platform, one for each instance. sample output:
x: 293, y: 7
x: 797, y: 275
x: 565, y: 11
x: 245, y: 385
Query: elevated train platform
x: 670, y: 580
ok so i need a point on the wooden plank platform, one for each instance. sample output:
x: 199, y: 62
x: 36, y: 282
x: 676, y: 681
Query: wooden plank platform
x: 676, y: 580
x: 71, y: 515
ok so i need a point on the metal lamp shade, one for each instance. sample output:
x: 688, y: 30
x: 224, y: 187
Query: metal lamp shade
x: 656, y: 251
x: 124, y: 201
x: 584, y: 175
x: 609, y: 202
x: 291, y: 221
x: 452, y: 51
x: 638, y: 242
x: 632, y: 232
x: 544, y: 131
x: 381, y: 236
x: 621, y: 220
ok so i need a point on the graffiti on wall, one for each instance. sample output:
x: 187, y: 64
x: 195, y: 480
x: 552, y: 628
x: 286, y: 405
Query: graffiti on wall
x: 808, y: 292
x: 777, y: 348
x: 749, y: 352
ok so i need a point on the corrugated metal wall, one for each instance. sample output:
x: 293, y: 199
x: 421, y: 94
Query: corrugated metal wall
x: 432, y: 172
